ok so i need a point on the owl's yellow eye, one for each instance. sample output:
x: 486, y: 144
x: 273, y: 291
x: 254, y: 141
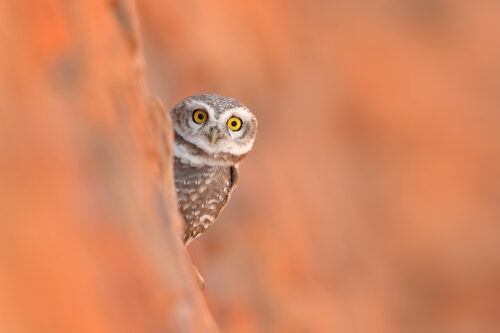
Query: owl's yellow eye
x: 200, y: 116
x: 234, y: 124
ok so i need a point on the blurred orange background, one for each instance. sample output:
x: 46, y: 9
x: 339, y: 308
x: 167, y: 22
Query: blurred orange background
x: 371, y: 200
x: 370, y: 203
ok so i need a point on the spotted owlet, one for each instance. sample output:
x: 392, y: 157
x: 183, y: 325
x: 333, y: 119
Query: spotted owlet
x: 212, y: 135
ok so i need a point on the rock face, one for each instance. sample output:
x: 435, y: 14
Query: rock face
x: 89, y: 230
x: 371, y: 200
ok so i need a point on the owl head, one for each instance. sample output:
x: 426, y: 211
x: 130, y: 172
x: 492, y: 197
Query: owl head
x: 212, y: 130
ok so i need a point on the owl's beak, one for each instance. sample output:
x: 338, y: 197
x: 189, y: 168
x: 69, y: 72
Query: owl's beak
x: 214, y: 134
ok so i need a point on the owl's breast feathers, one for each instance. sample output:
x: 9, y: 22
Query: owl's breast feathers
x: 202, y: 192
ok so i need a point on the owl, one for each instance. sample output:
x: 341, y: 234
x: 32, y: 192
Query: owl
x: 212, y: 134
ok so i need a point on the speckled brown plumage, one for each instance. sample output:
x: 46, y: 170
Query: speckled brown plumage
x: 202, y: 192
x: 207, y: 153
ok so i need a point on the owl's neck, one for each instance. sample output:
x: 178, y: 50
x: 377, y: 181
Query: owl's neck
x: 186, y: 156
x: 191, y: 154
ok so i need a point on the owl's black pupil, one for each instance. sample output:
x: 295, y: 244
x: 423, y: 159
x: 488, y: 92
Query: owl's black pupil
x: 201, y: 116
x: 234, y: 123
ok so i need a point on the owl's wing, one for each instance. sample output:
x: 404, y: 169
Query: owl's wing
x: 234, y: 177
x: 233, y: 180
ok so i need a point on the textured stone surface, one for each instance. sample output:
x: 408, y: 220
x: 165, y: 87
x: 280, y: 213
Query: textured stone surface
x: 89, y: 230
x: 371, y: 201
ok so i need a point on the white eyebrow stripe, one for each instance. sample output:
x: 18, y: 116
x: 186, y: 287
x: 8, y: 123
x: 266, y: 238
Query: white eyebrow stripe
x: 199, y: 104
x: 240, y: 109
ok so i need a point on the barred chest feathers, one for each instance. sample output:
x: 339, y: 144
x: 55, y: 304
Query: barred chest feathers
x: 202, y: 193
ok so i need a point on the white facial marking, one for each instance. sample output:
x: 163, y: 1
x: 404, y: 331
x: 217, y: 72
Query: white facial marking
x: 200, y: 105
x: 202, y: 143
x: 240, y: 112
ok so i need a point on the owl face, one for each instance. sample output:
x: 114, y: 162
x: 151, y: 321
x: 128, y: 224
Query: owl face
x: 214, y: 127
